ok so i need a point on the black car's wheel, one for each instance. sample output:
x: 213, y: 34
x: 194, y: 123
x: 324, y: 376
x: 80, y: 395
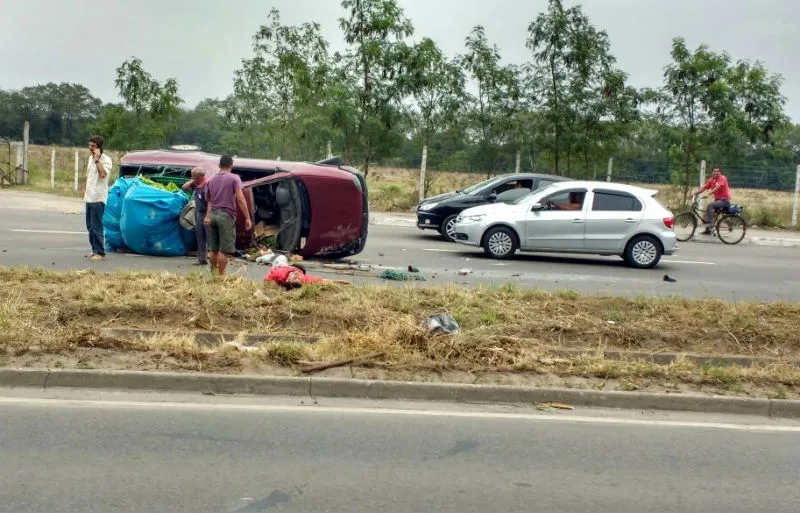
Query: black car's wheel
x: 500, y: 242
x: 448, y: 228
x: 643, y: 252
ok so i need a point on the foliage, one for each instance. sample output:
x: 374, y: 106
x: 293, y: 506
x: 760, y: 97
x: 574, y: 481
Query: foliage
x: 376, y: 69
x: 583, y: 98
x: 386, y: 96
x: 497, y: 102
x: 282, y: 89
x: 58, y: 113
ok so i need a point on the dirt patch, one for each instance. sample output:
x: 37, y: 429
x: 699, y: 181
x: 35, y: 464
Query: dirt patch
x: 506, y: 333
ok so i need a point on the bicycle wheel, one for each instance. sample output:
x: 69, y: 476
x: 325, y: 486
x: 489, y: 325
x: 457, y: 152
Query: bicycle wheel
x: 731, y: 229
x: 685, y: 226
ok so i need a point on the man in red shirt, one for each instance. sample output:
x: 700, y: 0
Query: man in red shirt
x: 717, y: 186
x: 293, y: 276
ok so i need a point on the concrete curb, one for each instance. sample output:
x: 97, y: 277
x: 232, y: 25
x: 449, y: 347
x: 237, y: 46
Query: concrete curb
x: 783, y: 242
x: 398, y: 390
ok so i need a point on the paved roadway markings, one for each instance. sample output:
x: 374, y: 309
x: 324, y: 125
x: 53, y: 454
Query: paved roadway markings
x: 330, y: 410
x: 669, y: 260
x: 56, y: 232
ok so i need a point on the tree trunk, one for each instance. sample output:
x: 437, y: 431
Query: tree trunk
x: 569, y: 158
x: 686, y: 168
x: 554, y: 83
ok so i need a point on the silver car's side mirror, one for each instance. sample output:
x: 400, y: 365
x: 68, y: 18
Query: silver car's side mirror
x: 536, y: 207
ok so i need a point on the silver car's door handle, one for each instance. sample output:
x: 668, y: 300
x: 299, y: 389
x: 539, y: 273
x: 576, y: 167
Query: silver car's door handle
x: 577, y: 220
x: 630, y: 220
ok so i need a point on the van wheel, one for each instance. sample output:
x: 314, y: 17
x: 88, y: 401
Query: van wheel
x: 643, y: 252
x: 500, y: 242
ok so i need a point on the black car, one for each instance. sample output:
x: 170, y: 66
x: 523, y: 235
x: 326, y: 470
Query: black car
x: 440, y: 212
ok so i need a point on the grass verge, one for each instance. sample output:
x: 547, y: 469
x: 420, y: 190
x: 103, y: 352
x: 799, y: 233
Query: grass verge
x: 508, y: 335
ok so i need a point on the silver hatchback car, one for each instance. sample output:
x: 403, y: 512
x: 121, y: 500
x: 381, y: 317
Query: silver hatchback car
x: 589, y: 217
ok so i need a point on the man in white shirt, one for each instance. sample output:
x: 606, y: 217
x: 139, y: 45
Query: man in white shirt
x: 95, y: 195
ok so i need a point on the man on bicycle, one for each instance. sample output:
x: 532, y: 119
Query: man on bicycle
x: 717, y: 186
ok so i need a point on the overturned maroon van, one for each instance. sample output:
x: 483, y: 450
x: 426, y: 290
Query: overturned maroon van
x: 320, y: 209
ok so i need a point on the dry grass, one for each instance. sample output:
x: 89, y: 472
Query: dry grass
x: 397, y: 189
x: 502, y: 329
x: 763, y: 208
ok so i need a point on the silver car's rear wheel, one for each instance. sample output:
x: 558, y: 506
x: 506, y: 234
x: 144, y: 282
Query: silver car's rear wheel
x: 500, y: 242
x: 643, y: 252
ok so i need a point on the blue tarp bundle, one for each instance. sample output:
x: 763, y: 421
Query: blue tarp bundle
x: 113, y: 213
x: 149, y: 222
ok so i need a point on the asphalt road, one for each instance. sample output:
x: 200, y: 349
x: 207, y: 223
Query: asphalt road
x: 51, y: 234
x: 91, y: 451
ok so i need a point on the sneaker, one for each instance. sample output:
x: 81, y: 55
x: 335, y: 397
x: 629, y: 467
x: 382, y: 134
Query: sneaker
x: 97, y: 258
x: 707, y: 231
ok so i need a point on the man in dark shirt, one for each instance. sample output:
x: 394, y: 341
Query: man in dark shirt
x: 197, y: 185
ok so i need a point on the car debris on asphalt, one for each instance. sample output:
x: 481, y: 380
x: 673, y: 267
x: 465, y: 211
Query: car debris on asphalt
x: 553, y: 406
x: 442, y: 322
x: 390, y: 274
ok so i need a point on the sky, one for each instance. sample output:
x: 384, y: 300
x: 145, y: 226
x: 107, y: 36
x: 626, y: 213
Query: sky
x: 202, y: 42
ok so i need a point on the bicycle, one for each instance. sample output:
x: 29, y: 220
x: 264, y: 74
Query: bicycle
x: 726, y: 223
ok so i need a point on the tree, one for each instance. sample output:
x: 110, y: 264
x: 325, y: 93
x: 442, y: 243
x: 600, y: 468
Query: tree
x: 573, y: 81
x: 437, y: 85
x: 380, y: 59
x: 757, y: 101
x: 204, y: 126
x: 78, y: 108
x: 284, y: 85
x: 142, y: 93
x: 498, y: 98
x: 136, y: 86
x: 725, y: 112
x: 58, y: 113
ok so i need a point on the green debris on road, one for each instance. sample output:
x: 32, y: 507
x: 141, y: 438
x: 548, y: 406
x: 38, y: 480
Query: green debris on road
x: 400, y: 276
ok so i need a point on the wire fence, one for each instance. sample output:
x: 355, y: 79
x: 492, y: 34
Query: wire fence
x: 762, y: 187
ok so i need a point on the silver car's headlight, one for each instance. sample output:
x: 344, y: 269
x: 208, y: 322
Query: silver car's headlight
x: 470, y: 219
x: 428, y: 206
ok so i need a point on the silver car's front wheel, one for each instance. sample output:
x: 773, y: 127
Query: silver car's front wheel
x: 500, y: 242
x: 643, y: 252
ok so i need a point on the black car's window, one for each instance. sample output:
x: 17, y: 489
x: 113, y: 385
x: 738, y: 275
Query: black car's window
x: 472, y: 189
x: 571, y: 199
x: 513, y: 184
x: 544, y: 182
x: 512, y: 195
x: 614, y: 201
x: 539, y: 190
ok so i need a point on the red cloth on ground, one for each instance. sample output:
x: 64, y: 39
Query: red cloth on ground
x: 280, y: 275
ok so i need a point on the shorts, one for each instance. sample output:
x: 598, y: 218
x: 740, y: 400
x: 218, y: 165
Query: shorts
x: 221, y: 233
